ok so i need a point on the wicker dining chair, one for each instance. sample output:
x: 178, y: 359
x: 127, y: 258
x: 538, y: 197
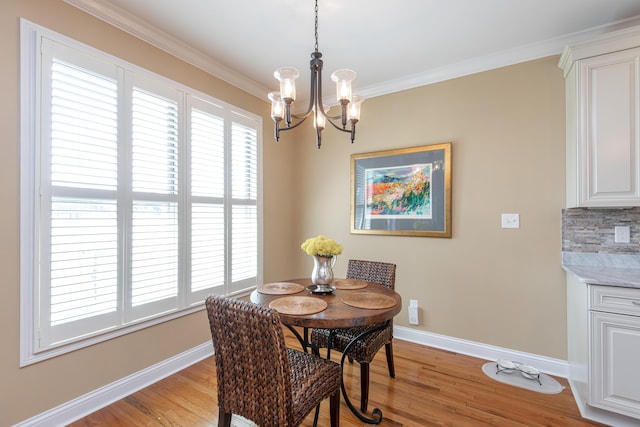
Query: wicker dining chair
x: 259, y: 378
x: 365, y: 349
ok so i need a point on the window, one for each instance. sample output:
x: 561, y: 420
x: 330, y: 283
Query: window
x: 140, y: 197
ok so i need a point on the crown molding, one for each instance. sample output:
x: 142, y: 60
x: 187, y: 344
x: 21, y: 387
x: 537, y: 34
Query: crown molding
x: 139, y: 28
x: 530, y: 52
x: 613, y: 41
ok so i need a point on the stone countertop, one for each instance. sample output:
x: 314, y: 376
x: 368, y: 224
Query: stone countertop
x: 603, y: 269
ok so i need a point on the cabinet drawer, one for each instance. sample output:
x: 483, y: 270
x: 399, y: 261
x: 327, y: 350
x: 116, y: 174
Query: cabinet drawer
x: 613, y: 299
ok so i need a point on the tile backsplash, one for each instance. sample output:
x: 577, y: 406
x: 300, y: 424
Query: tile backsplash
x: 592, y: 230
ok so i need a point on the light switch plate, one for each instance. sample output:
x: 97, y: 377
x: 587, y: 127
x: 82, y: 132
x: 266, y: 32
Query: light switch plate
x: 510, y: 220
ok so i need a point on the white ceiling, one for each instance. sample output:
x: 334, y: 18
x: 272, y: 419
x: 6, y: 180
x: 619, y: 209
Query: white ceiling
x: 392, y: 45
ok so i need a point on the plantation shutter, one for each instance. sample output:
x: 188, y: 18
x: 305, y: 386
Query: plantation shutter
x: 140, y: 198
x: 155, y: 216
x: 244, y: 199
x: 207, y: 194
x: 79, y: 197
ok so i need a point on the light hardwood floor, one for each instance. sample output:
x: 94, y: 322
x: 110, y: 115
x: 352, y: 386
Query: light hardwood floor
x: 432, y: 388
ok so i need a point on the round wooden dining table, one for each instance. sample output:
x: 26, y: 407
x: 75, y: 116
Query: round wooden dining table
x: 343, y: 309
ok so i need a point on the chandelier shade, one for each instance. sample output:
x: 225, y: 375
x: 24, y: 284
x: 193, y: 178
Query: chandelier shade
x: 281, y: 102
x: 343, y: 79
x: 287, y: 77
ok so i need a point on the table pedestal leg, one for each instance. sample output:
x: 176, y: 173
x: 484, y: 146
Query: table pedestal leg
x: 306, y: 345
x: 377, y: 413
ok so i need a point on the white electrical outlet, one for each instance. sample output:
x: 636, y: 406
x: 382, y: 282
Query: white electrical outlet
x: 622, y: 234
x: 413, y: 312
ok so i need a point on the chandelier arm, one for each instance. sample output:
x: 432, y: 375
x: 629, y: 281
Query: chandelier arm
x: 332, y: 117
x: 315, y: 65
x: 294, y: 125
x: 340, y: 128
x: 301, y: 116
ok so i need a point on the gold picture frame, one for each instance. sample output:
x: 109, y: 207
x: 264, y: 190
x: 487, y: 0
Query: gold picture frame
x: 402, y: 192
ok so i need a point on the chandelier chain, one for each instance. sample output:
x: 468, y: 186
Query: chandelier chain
x: 316, y: 33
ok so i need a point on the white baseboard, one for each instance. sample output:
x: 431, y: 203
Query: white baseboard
x: 545, y: 364
x: 97, y: 399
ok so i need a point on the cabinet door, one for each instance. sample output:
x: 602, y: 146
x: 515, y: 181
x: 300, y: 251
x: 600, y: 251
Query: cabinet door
x: 608, y: 131
x: 614, y: 373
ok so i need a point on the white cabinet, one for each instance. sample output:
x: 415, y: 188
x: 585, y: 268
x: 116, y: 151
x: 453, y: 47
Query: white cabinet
x: 603, y: 120
x: 614, y: 350
x: 603, y: 349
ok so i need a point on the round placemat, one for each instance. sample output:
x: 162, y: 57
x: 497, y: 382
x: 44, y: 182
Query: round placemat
x: 369, y: 300
x: 280, y: 288
x: 349, y: 284
x: 298, y: 305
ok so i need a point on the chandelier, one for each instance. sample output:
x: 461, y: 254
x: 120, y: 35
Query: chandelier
x: 281, y: 101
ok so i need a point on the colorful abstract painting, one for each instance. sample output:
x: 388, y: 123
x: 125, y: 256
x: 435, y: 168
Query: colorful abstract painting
x: 399, y: 192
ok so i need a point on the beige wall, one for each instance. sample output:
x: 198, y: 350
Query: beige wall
x: 497, y: 286
x: 500, y: 287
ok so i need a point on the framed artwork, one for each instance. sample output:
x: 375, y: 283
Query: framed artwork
x: 402, y: 192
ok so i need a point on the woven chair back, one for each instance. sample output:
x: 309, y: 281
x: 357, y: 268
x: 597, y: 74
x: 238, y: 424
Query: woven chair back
x: 252, y: 366
x: 381, y: 273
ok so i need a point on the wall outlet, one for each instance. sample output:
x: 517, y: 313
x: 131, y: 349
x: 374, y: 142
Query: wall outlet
x: 413, y: 312
x: 622, y: 234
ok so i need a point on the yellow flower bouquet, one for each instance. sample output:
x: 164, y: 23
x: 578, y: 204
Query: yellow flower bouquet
x: 321, y: 246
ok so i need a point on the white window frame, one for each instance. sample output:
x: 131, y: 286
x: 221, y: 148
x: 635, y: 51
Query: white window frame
x: 30, y: 129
